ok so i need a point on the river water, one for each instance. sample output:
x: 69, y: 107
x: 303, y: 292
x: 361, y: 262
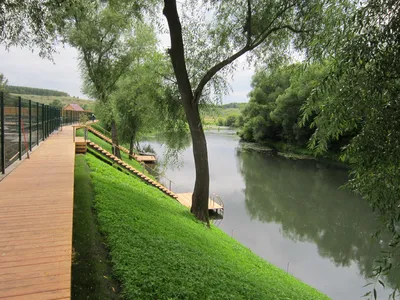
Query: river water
x: 291, y: 213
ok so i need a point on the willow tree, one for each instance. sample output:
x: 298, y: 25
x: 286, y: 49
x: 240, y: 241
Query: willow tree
x: 361, y: 94
x: 214, y: 34
x: 107, y: 40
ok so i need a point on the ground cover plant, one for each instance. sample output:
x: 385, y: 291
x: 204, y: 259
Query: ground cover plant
x: 159, y: 251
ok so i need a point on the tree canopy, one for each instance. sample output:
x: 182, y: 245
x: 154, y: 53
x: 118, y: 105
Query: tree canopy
x: 362, y: 93
x: 24, y: 90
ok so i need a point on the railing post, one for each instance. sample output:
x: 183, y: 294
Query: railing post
x: 47, y: 120
x: 42, y: 122
x: 51, y: 120
x: 3, y: 154
x: 37, y: 123
x: 19, y: 128
x: 30, y: 125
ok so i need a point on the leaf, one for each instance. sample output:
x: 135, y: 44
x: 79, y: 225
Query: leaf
x: 374, y: 293
x: 367, y: 284
x: 366, y: 294
x: 381, y: 282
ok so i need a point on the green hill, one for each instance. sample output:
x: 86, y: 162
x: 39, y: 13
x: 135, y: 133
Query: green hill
x: 158, y: 250
x: 65, y: 100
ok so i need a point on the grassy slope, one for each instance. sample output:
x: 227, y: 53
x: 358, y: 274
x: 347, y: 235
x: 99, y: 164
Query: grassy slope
x: 64, y: 100
x: 90, y: 271
x: 159, y: 251
x: 106, y: 146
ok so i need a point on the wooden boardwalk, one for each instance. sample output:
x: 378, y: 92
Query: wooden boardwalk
x: 36, y: 206
x: 186, y: 200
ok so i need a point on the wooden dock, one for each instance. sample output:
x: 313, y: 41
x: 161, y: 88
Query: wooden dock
x: 186, y: 200
x: 36, y: 207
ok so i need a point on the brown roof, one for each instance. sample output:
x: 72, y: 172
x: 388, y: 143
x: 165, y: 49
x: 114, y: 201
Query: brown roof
x: 76, y: 107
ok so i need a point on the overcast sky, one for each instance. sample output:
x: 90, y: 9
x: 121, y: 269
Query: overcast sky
x: 24, y: 68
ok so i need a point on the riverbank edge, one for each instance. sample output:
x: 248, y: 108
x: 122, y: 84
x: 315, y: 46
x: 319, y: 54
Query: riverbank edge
x: 292, y: 152
x: 297, y: 284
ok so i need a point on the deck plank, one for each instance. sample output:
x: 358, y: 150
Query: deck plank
x: 36, y: 206
x: 186, y: 200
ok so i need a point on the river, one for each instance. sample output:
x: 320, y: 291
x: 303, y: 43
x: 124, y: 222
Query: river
x: 291, y: 213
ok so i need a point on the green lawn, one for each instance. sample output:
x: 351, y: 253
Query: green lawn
x: 91, y: 272
x: 159, y: 251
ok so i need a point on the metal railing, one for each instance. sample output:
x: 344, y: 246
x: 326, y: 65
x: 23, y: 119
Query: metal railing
x: 24, y: 124
x: 159, y: 176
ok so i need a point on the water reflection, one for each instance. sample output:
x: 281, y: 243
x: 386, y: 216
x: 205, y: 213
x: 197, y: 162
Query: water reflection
x: 290, y: 211
x: 303, y: 197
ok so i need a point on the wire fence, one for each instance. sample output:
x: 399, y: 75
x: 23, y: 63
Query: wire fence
x: 25, y: 123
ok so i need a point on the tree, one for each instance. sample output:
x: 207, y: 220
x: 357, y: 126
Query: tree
x: 237, y: 27
x: 56, y: 103
x: 35, y: 91
x: 32, y: 23
x: 138, y: 92
x: 362, y: 93
x: 3, y: 83
x: 108, y: 42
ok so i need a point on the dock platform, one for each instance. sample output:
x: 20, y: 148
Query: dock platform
x: 215, y: 206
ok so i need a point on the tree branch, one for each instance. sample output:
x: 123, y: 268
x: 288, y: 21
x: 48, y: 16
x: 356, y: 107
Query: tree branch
x: 177, y: 52
x: 266, y: 29
x: 248, y: 25
x: 210, y: 73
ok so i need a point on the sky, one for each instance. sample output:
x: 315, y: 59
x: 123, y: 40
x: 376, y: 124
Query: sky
x: 24, y: 68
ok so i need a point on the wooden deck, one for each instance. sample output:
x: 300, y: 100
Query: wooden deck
x: 146, y: 158
x: 36, y: 206
x: 186, y: 200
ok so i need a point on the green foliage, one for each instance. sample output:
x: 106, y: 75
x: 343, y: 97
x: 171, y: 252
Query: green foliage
x: 230, y: 121
x: 104, y: 35
x: 23, y: 90
x: 274, y: 109
x: 3, y: 83
x: 361, y: 94
x: 139, y: 90
x: 91, y: 276
x: 152, y: 261
x: 83, y: 119
x: 217, y: 33
x: 234, y: 105
x: 32, y: 23
x: 108, y: 147
x: 57, y: 103
x: 64, y: 100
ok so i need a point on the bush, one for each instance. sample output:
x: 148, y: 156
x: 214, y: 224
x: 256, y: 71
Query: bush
x: 230, y: 121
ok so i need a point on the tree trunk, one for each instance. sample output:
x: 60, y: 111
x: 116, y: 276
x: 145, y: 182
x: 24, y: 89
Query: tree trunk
x: 114, y: 138
x: 131, y: 144
x: 201, y: 187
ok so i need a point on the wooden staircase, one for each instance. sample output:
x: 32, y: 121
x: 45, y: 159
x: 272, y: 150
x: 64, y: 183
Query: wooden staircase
x: 139, y: 158
x: 80, y: 145
x: 132, y: 170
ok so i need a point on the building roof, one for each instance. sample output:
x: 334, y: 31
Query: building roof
x: 76, y: 107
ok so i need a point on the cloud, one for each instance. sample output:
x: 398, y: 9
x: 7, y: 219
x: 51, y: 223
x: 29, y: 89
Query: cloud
x: 25, y: 68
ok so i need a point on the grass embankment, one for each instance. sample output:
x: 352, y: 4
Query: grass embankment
x: 108, y: 147
x: 91, y: 274
x: 159, y: 251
